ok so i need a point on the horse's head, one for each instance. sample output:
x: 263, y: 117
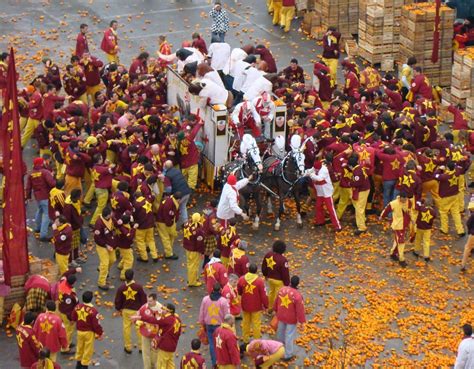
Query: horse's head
x: 232, y: 167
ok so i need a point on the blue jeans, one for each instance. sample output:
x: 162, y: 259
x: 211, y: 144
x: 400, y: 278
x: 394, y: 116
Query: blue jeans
x: 183, y: 210
x: 286, y: 334
x: 219, y: 35
x: 388, y: 190
x: 210, y: 336
x: 42, y: 218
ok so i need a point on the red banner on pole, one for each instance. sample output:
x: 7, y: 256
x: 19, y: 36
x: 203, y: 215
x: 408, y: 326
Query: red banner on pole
x: 15, y: 246
x: 436, y: 37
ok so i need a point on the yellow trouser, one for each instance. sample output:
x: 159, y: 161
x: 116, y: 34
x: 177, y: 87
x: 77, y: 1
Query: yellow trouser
x: 359, y: 206
x: 2, y: 300
x: 53, y: 356
x: 337, y: 191
x: 83, y: 98
x: 332, y: 65
x: 71, y: 183
x: 92, y: 90
x: 462, y: 192
x: 112, y: 58
x: 63, y: 262
x: 89, y: 194
x: 227, y: 366
x: 272, y: 359
x: 287, y: 14
x: 144, y: 238
x: 69, y: 328
x: 127, y: 329
x: 193, y: 260
x: 225, y: 261
x: 467, y: 250
x: 251, y: 321
x: 167, y: 236
x: 450, y: 205
x: 106, y: 260
x: 191, y: 175
x: 431, y: 187
x: 102, y: 196
x: 270, y: 5
x: 277, y: 5
x: 423, y: 241
x: 148, y: 354
x: 345, y: 195
x: 85, y: 347
x: 23, y: 121
x: 164, y: 360
x: 126, y: 261
x: 30, y: 127
x: 275, y: 286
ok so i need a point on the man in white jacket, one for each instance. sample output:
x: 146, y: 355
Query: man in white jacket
x: 465, y: 357
x: 228, y: 206
x: 324, y: 191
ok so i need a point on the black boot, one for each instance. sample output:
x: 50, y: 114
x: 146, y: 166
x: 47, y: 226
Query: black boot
x: 79, y: 365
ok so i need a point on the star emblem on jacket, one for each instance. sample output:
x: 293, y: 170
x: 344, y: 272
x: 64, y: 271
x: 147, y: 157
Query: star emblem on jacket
x: 395, y: 164
x: 129, y: 293
x: 270, y: 262
x: 426, y: 216
x: 46, y: 326
x: 285, y: 301
x: 147, y: 206
x: 249, y: 289
x: 82, y: 314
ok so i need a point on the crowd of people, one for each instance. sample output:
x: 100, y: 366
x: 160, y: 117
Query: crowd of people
x: 111, y: 147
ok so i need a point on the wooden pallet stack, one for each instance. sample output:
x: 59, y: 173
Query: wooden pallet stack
x: 462, y: 79
x: 416, y: 39
x: 379, y: 29
x: 342, y: 14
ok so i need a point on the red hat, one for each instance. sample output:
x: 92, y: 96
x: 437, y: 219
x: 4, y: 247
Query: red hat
x: 318, y: 164
x: 38, y: 162
x: 232, y: 180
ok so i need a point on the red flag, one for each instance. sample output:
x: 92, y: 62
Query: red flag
x: 436, y: 37
x: 15, y: 247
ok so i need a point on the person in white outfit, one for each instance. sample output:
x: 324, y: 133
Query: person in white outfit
x: 465, y: 357
x: 219, y: 54
x: 183, y: 56
x: 324, y: 191
x: 228, y: 206
x: 210, y: 93
x: 248, y: 146
x: 245, y: 116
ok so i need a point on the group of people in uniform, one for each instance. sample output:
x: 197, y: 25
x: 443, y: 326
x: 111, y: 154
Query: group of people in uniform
x: 374, y: 144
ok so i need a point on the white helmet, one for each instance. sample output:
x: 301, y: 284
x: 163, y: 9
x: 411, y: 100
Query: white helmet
x: 280, y: 142
x: 247, y: 142
x: 295, y: 142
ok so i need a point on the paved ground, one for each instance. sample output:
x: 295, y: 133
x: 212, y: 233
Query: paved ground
x: 364, y: 311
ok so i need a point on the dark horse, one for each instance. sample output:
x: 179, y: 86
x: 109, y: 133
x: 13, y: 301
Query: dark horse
x: 283, y: 178
x: 280, y: 178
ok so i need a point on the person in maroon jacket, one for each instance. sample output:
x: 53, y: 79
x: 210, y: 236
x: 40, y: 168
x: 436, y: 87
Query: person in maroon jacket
x: 251, y: 288
x: 40, y: 181
x: 35, y: 111
x: 28, y: 345
x: 52, y: 75
x: 225, y: 342
x: 144, y: 236
x: 88, y: 326
x: 166, y: 340
x: 420, y: 86
x: 75, y: 81
x: 239, y: 261
x: 73, y: 214
x: 391, y: 164
x: 267, y: 57
x: 44, y: 360
x: 62, y: 241
x: 215, y: 271
x: 67, y: 301
x: 50, y: 101
x: 105, y: 246
x: 360, y: 192
x: 352, y: 84
x: 75, y: 159
x: 322, y: 81
x: 102, y: 175
x: 189, y: 154
x: 199, y: 43
x: 166, y: 219
x: 124, y: 236
x: 82, y: 45
x: 331, y: 51
x: 109, y: 43
x: 275, y: 270
x: 120, y: 200
x: 139, y: 66
x: 129, y: 299
x: 193, y: 243
x: 91, y: 67
x: 294, y: 72
x: 193, y: 359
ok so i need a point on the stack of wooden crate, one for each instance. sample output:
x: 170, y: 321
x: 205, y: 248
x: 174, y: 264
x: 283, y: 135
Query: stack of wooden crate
x: 379, y: 29
x: 311, y: 19
x: 470, y: 108
x: 462, y: 81
x: 416, y: 39
x: 342, y: 14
